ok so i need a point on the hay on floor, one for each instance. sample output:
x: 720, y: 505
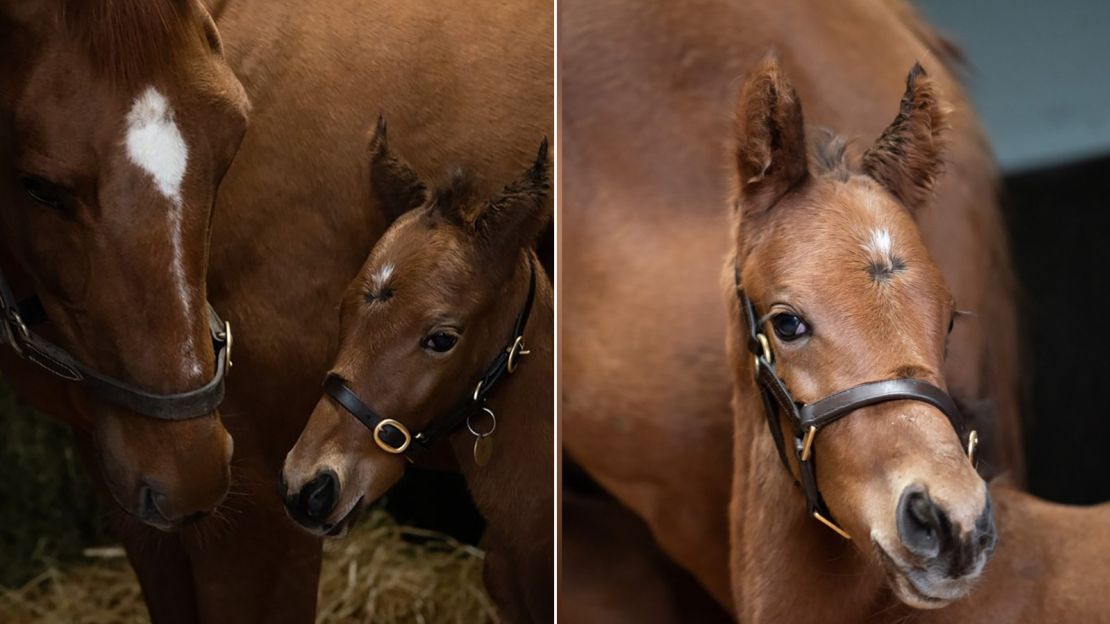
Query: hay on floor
x: 381, y: 572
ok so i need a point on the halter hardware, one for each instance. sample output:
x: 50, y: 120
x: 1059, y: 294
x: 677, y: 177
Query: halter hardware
x: 806, y: 419
x: 16, y: 316
x: 403, y: 442
x: 383, y: 444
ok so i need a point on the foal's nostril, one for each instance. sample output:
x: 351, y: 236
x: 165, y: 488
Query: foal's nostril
x: 922, y: 525
x: 318, y: 497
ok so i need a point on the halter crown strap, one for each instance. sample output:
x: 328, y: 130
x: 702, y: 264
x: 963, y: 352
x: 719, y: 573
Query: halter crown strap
x: 14, y: 332
x: 394, y: 437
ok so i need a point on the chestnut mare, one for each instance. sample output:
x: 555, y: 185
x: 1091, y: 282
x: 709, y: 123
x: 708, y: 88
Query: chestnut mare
x: 120, y: 119
x: 125, y: 117
x: 833, y: 290
x: 643, y: 234
x: 427, y: 362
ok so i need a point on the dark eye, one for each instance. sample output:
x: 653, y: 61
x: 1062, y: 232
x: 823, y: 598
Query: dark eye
x: 440, y: 342
x: 789, y: 326
x: 43, y: 191
x: 951, y: 324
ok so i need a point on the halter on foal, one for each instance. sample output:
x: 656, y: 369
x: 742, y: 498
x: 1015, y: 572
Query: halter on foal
x: 807, y: 419
x: 425, y: 338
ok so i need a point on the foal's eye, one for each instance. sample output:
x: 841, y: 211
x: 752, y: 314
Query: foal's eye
x: 789, y: 326
x: 440, y: 342
x: 44, y: 192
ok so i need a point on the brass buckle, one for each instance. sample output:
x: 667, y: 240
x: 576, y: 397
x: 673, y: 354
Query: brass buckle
x: 766, y: 355
x: 972, y: 445
x: 228, y: 341
x: 518, y: 349
x: 832, y: 525
x: 807, y: 442
x: 385, y: 446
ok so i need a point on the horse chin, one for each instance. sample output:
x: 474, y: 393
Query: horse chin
x: 338, y: 529
x: 918, y: 588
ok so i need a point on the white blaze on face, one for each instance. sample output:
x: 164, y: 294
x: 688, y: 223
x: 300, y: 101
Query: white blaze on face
x: 155, y: 145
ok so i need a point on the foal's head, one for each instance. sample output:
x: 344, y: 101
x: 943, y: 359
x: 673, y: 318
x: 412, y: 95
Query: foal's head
x: 830, y: 254
x: 428, y: 312
x: 118, y: 120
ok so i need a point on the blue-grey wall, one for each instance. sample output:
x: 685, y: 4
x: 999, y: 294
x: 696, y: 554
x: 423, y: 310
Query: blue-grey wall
x: 1040, y: 75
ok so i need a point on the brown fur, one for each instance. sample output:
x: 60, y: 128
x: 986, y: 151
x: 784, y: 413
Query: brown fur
x: 1048, y: 556
x: 289, y: 230
x: 456, y: 263
x: 645, y: 391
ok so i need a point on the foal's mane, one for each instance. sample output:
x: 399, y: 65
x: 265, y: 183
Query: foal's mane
x: 128, y: 40
x: 828, y: 154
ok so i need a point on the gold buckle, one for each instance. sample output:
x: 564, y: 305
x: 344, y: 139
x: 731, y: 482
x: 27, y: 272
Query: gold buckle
x: 832, y: 525
x: 516, y: 351
x: 383, y: 445
x: 765, y: 347
x: 972, y: 445
x: 807, y: 443
x: 228, y: 341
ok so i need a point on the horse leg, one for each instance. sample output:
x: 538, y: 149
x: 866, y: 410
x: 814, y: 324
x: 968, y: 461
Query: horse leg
x: 159, y: 559
x: 499, y: 578
x: 614, y: 572
x: 254, y: 565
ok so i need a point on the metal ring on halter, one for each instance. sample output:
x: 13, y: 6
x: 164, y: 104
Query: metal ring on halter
x: 477, y: 389
x: 765, y: 350
x: 493, y: 419
x: 972, y: 444
x: 516, y: 351
x: 385, y: 446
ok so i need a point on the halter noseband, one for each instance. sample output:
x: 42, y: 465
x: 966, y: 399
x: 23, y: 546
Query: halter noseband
x: 807, y: 419
x: 395, y: 438
x: 16, y: 317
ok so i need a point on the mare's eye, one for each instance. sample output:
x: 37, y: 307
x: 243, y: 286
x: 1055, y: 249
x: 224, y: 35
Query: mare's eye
x: 44, y: 192
x: 440, y: 342
x: 789, y: 326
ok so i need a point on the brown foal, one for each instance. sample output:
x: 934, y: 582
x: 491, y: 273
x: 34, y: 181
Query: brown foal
x: 433, y: 305
x: 845, y: 292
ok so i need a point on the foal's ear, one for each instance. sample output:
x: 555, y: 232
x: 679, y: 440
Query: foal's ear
x: 516, y: 218
x: 908, y: 157
x: 393, y: 183
x: 770, y: 137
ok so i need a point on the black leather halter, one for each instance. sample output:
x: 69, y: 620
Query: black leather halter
x: 15, y: 318
x: 807, y: 419
x: 394, y: 437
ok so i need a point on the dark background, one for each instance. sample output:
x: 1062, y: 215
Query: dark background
x: 1038, y: 74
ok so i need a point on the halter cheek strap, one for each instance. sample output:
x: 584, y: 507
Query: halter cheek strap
x: 17, y: 317
x: 395, y: 438
x: 807, y: 419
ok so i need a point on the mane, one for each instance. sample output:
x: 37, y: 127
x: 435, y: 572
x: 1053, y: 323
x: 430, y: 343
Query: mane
x: 128, y: 40
x: 828, y: 155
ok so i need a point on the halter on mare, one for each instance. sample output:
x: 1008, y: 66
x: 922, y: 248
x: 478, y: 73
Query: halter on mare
x: 395, y: 438
x: 807, y: 419
x: 14, y: 331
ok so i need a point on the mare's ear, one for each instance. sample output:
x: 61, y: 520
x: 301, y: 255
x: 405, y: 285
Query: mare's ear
x: 393, y: 183
x: 515, y: 218
x: 770, y: 138
x: 908, y: 157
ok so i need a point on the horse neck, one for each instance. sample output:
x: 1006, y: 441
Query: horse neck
x: 785, y: 565
x: 517, y: 480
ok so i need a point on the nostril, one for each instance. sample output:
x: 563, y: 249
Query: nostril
x: 151, y: 504
x: 922, y: 525
x: 317, y: 498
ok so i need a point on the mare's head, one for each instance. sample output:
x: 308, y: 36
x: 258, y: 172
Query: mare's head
x: 430, y: 309
x: 830, y: 255
x: 118, y: 119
